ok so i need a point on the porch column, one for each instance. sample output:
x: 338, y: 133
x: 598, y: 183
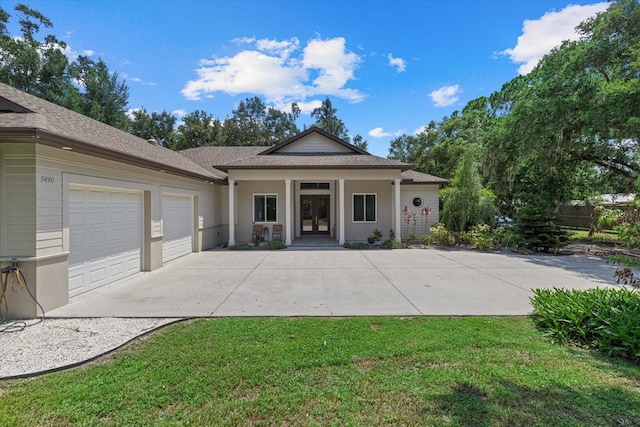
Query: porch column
x: 232, y: 212
x: 341, y: 214
x: 397, y: 206
x: 288, y: 208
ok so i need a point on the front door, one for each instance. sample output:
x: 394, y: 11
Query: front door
x: 315, y: 214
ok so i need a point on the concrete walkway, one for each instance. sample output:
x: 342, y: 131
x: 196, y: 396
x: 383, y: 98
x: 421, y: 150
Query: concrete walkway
x: 340, y: 282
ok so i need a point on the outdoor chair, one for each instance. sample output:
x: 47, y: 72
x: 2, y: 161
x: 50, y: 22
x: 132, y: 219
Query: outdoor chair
x: 276, y: 233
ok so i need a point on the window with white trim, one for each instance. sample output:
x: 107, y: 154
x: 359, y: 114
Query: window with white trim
x: 364, y: 207
x: 265, y: 208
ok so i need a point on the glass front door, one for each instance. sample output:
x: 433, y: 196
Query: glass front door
x: 314, y: 211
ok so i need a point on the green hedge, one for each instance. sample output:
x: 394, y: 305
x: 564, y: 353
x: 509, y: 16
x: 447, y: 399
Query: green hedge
x: 604, y: 319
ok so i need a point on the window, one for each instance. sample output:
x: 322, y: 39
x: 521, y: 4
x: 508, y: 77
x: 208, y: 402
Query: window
x: 364, y: 208
x: 417, y: 202
x: 314, y: 186
x: 265, y: 208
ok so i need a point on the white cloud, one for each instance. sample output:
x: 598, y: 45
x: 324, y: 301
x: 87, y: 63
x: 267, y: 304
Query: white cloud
x: 270, y: 69
x: 305, y: 107
x: 540, y: 36
x: 420, y: 130
x: 180, y: 113
x: 378, y: 133
x: 399, y: 63
x: 136, y: 80
x: 445, y: 96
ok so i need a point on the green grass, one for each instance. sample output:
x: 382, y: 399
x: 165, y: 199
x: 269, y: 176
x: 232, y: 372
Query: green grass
x: 607, y: 237
x: 355, y: 371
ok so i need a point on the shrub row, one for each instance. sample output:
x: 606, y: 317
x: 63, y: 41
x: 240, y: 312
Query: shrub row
x: 270, y: 245
x: 604, y: 319
x: 480, y: 236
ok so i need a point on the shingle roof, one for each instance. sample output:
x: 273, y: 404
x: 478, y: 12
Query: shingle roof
x: 415, y: 177
x: 211, y: 157
x: 317, y: 161
x: 20, y: 110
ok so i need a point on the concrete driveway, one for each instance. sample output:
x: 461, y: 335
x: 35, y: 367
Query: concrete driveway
x: 340, y: 282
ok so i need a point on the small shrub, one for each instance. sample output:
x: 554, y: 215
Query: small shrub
x: 411, y: 239
x: 240, y: 247
x: 604, y: 319
x: 392, y: 244
x: 274, y: 245
x: 425, y: 240
x: 358, y: 245
x: 482, y: 237
x: 441, y: 236
x: 537, y: 230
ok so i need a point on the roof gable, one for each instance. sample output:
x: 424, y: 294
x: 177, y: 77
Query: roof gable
x: 314, y: 141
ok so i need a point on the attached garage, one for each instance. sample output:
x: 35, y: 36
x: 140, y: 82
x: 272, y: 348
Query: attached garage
x: 177, y: 226
x: 105, y: 236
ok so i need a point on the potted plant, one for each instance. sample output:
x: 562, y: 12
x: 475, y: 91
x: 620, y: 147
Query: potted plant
x: 375, y: 236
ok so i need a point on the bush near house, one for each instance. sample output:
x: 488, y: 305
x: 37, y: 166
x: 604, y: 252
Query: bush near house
x: 604, y: 319
x: 275, y: 245
x: 240, y: 247
x: 392, y: 244
x: 357, y: 245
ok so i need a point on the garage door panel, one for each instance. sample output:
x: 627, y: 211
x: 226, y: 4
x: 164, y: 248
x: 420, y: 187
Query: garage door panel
x: 177, y: 226
x: 105, y: 232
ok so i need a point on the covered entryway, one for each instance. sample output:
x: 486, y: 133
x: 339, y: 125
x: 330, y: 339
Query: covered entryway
x: 314, y: 211
x: 105, y: 236
x: 177, y: 226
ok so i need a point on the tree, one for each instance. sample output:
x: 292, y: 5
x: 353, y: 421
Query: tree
x: 40, y: 67
x: 103, y: 96
x: 252, y: 123
x: 158, y: 126
x: 35, y: 66
x: 327, y: 120
x: 575, y: 116
x: 359, y: 142
x: 465, y: 202
x: 199, y: 129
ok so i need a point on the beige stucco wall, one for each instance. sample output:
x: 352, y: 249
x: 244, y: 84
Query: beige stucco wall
x: 269, y: 182
x: 34, y: 185
x: 245, y: 191
x: 429, y: 194
x: 384, y: 207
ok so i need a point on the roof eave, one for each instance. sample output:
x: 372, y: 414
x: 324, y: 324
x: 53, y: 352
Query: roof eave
x: 227, y: 168
x: 50, y: 139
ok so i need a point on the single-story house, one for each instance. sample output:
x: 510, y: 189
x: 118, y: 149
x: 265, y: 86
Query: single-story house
x: 83, y: 204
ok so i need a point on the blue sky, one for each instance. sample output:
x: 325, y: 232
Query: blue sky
x: 389, y: 67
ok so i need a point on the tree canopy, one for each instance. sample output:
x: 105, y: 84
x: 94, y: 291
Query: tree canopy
x: 568, y: 129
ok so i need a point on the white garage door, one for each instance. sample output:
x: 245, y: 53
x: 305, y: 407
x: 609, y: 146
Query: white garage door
x: 177, y: 226
x: 105, y: 236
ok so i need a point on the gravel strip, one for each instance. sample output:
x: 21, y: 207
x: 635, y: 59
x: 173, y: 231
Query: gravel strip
x: 52, y: 344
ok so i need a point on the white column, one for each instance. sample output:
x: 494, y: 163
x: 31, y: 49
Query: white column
x: 341, y: 214
x: 287, y: 205
x: 232, y: 212
x: 396, y: 186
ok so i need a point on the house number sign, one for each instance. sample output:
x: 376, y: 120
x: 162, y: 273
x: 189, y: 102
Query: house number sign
x: 47, y: 179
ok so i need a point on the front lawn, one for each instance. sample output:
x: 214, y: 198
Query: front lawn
x: 317, y: 371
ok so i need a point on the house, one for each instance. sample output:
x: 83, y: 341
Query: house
x: 83, y: 204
